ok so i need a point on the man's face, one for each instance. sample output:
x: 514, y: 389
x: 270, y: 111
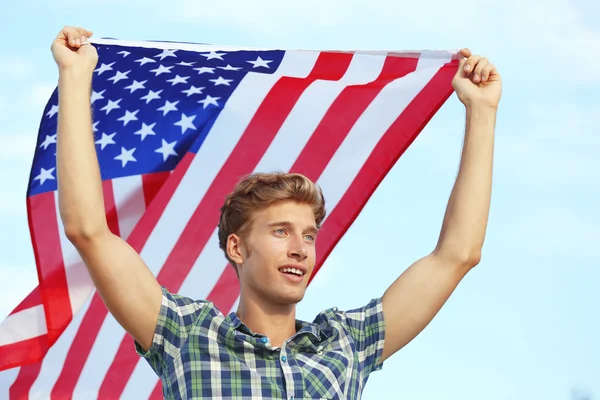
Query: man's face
x: 279, y: 253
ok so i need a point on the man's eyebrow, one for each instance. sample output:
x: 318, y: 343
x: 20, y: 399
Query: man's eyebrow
x: 288, y: 224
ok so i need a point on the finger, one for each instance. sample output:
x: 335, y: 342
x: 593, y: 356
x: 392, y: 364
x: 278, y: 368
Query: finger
x: 488, y: 71
x: 466, y: 53
x: 73, y: 34
x: 470, y: 64
x: 481, y: 64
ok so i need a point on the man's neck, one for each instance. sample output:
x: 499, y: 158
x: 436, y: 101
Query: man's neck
x: 277, y: 322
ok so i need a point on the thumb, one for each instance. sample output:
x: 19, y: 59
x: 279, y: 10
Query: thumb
x: 460, y: 72
x: 87, y: 50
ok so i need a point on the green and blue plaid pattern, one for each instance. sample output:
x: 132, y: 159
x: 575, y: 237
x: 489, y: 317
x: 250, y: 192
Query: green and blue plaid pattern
x: 199, y: 353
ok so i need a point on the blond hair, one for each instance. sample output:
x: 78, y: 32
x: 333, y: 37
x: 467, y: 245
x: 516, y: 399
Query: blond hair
x: 258, y: 191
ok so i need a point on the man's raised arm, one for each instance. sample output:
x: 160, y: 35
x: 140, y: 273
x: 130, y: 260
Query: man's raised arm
x: 127, y: 287
x: 412, y: 301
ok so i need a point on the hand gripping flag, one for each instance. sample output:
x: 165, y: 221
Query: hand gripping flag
x: 176, y: 125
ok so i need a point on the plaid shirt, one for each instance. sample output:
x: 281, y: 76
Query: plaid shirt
x: 201, y: 354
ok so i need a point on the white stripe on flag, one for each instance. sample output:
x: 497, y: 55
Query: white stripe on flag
x: 281, y: 154
x: 7, y: 378
x: 28, y: 323
x: 225, y: 134
x: 129, y: 201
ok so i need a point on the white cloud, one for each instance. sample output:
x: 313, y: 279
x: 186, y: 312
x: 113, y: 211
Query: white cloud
x: 556, y: 230
x: 38, y: 96
x: 553, y: 145
x: 16, y: 68
x: 17, y: 146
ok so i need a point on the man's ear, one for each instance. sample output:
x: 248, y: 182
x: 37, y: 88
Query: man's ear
x: 235, y: 249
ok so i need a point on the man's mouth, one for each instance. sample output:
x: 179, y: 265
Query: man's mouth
x: 292, y: 271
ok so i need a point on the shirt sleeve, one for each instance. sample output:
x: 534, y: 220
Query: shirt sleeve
x: 178, y: 315
x: 366, y: 326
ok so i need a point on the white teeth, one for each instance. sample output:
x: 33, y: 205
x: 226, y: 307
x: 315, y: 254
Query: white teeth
x: 294, y: 271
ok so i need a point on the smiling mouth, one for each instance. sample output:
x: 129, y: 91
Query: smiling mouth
x: 292, y: 271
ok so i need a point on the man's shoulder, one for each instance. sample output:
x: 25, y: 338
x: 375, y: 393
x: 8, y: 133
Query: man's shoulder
x: 328, y: 315
x: 185, y: 305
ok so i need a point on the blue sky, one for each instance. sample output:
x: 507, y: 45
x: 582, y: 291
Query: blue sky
x: 524, y: 323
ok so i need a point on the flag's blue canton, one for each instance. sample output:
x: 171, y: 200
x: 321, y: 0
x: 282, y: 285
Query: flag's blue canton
x: 150, y: 107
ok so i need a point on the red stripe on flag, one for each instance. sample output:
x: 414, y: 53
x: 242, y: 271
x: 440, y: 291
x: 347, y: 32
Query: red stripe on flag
x: 245, y: 156
x: 112, y: 219
x: 399, y: 136
x: 151, y: 184
x: 96, y: 313
x: 25, y: 352
x: 157, y: 392
x: 226, y: 290
x: 33, y: 299
x: 43, y: 225
x: 27, y: 375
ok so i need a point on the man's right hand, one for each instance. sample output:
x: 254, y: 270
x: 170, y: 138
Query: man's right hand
x: 71, y: 50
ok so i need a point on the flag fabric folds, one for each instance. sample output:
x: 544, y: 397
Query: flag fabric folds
x: 176, y: 125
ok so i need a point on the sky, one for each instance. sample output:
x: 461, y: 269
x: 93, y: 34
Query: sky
x: 524, y: 323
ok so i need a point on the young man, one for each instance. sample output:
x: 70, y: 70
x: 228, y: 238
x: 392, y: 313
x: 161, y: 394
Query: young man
x: 267, y: 230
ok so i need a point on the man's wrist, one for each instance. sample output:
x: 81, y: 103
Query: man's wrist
x: 75, y: 75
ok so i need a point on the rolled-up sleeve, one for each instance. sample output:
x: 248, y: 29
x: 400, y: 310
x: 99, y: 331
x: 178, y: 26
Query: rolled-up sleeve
x: 178, y: 315
x: 366, y: 326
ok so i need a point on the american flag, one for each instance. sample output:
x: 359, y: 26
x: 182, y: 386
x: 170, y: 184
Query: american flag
x: 176, y: 126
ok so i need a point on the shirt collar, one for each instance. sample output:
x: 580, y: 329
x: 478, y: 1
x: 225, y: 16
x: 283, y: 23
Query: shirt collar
x: 301, y: 326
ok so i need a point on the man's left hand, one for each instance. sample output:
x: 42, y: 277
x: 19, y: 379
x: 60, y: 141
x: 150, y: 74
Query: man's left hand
x: 477, y: 82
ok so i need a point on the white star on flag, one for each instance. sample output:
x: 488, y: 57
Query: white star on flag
x: 162, y: 70
x: 193, y: 90
x: 104, y: 68
x: 125, y: 156
x: 166, y: 53
x: 119, y: 76
x: 145, y: 60
x: 97, y: 95
x: 125, y: 53
x: 105, y: 140
x: 145, y: 131
x: 48, y: 141
x: 213, y: 54
x: 178, y: 79
x: 259, y: 62
x: 45, y: 174
x: 128, y: 117
x: 168, y: 107
x: 209, y: 100
x: 230, y: 68
x: 186, y: 123
x: 221, y: 81
x: 136, y: 85
x: 52, y: 111
x: 152, y: 95
x: 202, y: 70
x: 167, y: 149
x: 111, y: 106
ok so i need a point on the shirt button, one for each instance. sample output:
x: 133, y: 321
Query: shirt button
x: 264, y: 340
x: 283, y: 358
